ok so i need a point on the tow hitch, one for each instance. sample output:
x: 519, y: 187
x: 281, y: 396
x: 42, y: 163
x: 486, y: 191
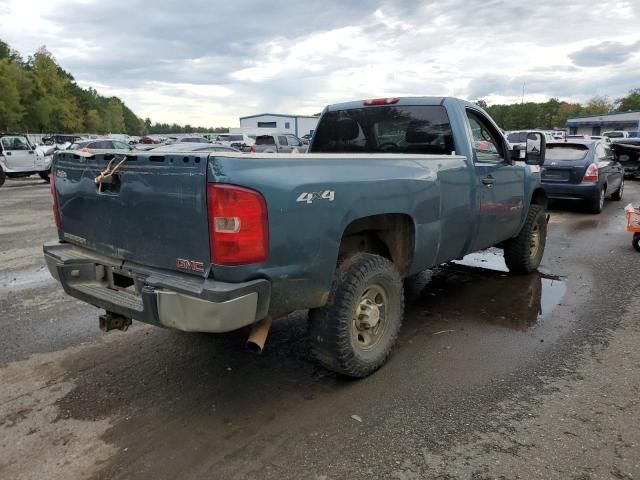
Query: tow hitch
x: 113, y: 321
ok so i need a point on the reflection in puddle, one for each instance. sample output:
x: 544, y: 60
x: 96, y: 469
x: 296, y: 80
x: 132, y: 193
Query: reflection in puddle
x: 481, y: 295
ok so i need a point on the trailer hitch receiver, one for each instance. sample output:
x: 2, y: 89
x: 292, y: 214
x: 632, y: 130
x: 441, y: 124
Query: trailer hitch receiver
x: 113, y: 321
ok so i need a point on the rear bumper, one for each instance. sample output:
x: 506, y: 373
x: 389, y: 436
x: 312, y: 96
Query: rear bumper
x: 167, y: 299
x: 571, y: 191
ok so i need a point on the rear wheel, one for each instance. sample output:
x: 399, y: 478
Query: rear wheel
x: 618, y: 195
x: 523, y: 253
x: 355, y: 332
x: 597, y: 204
x: 636, y: 241
x: 45, y: 175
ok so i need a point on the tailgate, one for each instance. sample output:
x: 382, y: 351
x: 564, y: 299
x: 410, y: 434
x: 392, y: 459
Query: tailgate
x: 154, y: 213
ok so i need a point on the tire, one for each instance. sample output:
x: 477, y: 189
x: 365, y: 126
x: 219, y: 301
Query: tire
x: 45, y: 176
x: 346, y: 342
x: 617, y: 196
x: 636, y: 241
x: 3, y: 176
x: 596, y: 204
x: 523, y: 253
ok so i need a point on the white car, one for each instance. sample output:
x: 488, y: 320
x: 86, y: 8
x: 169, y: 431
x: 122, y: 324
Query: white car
x: 235, y: 140
x: 19, y: 158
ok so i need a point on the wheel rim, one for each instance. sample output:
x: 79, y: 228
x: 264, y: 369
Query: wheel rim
x: 535, y: 241
x: 370, y: 317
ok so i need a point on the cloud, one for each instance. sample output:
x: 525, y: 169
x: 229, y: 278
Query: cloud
x: 605, y: 53
x: 209, y: 62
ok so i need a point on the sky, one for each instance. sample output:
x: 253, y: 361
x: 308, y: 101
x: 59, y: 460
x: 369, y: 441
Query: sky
x: 209, y: 62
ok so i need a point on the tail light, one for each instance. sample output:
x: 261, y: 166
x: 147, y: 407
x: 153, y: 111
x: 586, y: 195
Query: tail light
x: 54, y: 203
x: 238, y: 226
x: 591, y: 175
x: 252, y: 149
x: 381, y: 101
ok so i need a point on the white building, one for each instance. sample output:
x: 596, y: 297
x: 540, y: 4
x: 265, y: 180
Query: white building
x: 299, y: 125
x: 598, y: 124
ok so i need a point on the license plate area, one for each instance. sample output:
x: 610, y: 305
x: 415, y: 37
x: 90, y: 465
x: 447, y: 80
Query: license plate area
x: 556, y: 175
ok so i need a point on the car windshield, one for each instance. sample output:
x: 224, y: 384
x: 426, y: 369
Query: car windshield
x: 517, y: 137
x: 421, y: 129
x: 566, y: 152
x: 614, y: 134
x: 75, y: 146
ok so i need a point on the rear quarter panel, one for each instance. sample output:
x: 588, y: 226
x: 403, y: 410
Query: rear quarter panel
x: 305, y: 236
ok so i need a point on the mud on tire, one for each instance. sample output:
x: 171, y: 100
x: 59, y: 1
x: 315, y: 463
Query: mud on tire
x: 523, y: 253
x: 355, y: 332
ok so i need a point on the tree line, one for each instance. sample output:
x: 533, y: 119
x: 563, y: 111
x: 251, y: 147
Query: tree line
x: 38, y: 96
x: 554, y: 113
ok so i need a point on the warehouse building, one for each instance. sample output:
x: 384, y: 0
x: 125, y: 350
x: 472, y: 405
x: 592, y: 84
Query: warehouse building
x: 299, y: 125
x: 598, y: 124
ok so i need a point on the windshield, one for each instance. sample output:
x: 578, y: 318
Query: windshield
x: 614, y: 134
x: 517, y: 137
x: 421, y: 129
x: 566, y: 152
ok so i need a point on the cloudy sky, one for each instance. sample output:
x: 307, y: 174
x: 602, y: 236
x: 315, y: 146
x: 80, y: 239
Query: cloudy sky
x: 209, y: 62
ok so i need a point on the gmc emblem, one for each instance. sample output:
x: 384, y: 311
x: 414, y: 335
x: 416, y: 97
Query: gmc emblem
x: 192, y: 265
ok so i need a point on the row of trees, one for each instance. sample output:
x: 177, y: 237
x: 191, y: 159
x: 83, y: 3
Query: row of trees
x: 37, y: 95
x: 554, y: 113
x: 162, y: 128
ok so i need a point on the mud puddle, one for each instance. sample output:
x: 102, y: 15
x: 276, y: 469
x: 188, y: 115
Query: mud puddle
x: 480, y: 289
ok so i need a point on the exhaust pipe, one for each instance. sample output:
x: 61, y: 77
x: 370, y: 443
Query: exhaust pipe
x: 258, y: 335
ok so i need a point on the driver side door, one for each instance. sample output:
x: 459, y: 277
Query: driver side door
x: 500, y: 183
x: 19, y: 156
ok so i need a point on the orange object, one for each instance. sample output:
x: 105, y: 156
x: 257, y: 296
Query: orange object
x: 633, y: 220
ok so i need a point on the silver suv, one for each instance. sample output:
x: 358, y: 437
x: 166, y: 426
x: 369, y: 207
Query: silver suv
x: 278, y: 143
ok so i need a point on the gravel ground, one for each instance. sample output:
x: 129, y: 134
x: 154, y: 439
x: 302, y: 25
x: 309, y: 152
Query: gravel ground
x: 494, y: 376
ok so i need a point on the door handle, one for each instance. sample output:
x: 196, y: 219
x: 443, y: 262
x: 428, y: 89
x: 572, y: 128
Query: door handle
x: 488, y: 181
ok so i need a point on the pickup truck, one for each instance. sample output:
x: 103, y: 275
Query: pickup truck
x: 20, y: 158
x: 214, y: 242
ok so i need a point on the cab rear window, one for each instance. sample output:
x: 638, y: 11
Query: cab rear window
x: 422, y: 129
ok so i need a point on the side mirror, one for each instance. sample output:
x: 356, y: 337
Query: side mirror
x: 536, y: 147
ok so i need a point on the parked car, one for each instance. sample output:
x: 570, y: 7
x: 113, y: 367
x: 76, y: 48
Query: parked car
x: 582, y: 170
x: 241, y: 141
x: 100, y: 144
x: 616, y: 134
x: 192, y: 139
x: 193, y: 147
x: 148, y: 140
x: 393, y: 187
x: 278, y: 143
x: 519, y: 137
x: 19, y: 158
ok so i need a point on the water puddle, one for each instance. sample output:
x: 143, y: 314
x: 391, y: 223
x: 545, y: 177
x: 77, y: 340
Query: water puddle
x: 473, y: 291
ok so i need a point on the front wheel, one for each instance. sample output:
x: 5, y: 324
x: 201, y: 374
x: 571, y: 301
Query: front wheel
x: 523, y: 253
x: 45, y: 176
x: 3, y: 176
x: 636, y: 241
x: 355, y: 332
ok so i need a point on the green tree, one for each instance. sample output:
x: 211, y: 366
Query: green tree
x: 93, y: 122
x: 114, y: 116
x: 598, y: 104
x: 11, y: 109
x: 630, y: 102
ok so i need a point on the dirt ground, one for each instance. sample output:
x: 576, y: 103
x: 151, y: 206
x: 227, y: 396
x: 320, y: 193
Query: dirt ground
x: 494, y: 376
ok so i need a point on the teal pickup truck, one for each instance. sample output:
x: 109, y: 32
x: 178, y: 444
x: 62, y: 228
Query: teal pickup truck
x: 214, y: 242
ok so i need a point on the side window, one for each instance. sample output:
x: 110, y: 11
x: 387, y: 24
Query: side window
x: 282, y: 140
x: 293, y: 141
x: 121, y: 146
x: 608, y: 153
x: 287, y: 125
x: 486, y: 139
x: 15, y: 143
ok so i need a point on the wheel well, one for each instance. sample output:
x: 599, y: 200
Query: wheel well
x: 539, y: 197
x: 390, y: 235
